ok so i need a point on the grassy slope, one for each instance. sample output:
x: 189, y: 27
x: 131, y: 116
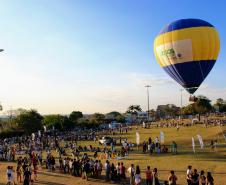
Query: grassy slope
x: 203, y: 159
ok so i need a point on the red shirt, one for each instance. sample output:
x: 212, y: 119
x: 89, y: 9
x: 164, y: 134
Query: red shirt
x: 148, y: 174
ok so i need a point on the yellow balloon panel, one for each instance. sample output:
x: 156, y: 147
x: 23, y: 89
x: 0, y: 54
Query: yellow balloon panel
x: 186, y: 45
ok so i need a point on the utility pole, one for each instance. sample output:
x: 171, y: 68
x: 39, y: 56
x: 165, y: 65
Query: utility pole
x: 147, y: 86
x: 181, y: 97
x: 181, y: 103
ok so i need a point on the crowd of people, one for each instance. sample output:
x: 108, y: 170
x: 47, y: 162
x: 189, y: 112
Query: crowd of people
x: 154, y: 146
x: 26, y: 170
x: 74, y: 160
x: 87, y: 167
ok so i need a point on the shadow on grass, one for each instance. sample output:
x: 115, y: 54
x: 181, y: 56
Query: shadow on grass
x: 48, y: 183
x: 53, y: 174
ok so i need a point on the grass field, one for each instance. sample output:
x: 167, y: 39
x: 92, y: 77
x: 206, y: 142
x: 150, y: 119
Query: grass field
x: 202, y: 160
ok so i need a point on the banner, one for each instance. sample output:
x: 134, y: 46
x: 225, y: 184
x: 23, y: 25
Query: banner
x: 193, y: 144
x: 33, y: 136
x: 162, y: 137
x: 144, y: 125
x: 44, y: 127
x: 39, y: 134
x: 137, y: 138
x: 200, y: 141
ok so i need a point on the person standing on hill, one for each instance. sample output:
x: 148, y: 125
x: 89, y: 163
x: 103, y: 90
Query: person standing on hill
x: 86, y: 170
x: 27, y: 176
x: 172, y: 178
x: 9, y: 175
x: 195, y: 178
x: 148, y: 176
x: 131, y: 172
x: 19, y: 171
x: 118, y: 171
x: 122, y: 173
x: 202, y: 178
x: 209, y: 179
x: 155, y: 180
x: 189, y: 175
x: 137, y: 176
x: 107, y: 170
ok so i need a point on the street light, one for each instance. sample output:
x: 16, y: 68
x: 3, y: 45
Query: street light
x: 181, y: 97
x: 147, y: 86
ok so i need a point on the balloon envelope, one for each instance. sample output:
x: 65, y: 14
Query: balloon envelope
x: 187, y: 50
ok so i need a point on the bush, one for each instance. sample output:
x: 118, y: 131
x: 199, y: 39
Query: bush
x: 11, y: 133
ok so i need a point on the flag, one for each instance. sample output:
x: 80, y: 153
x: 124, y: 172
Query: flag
x: 33, y: 136
x: 200, y: 141
x: 39, y: 134
x: 137, y: 138
x: 44, y: 127
x: 193, y: 144
x: 162, y: 137
x: 144, y: 124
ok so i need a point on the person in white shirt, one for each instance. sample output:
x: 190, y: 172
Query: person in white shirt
x: 156, y: 142
x: 189, y: 175
x: 9, y: 175
x: 131, y: 171
x: 70, y: 165
x: 118, y: 170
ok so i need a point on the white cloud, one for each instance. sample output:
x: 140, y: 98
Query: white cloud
x: 152, y: 79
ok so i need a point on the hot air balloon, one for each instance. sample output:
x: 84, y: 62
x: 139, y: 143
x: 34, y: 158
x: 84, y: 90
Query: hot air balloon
x: 187, y: 50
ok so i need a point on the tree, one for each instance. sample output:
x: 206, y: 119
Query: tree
x: 120, y: 118
x: 113, y: 114
x: 82, y: 122
x: 134, y: 109
x: 152, y: 113
x: 168, y: 110
x: 220, y: 105
x: 188, y: 110
x: 30, y: 121
x: 75, y: 115
x: 172, y: 110
x: 58, y: 121
x: 200, y: 106
x: 98, y: 118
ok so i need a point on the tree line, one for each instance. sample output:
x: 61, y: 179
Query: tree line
x: 28, y: 121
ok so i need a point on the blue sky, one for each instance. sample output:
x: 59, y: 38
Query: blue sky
x: 95, y: 55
